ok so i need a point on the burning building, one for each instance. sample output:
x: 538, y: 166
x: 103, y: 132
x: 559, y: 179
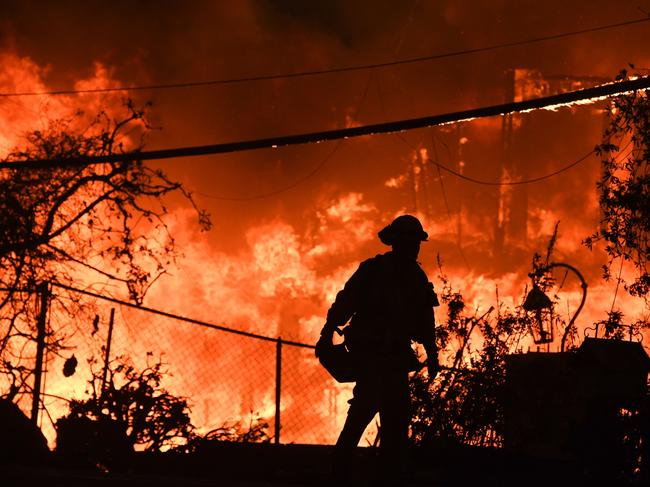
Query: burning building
x: 291, y: 224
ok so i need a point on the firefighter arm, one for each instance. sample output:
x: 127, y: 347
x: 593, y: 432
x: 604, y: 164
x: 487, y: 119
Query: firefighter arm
x: 340, y: 312
x: 346, y: 302
x: 433, y: 364
x: 428, y: 339
x: 430, y: 347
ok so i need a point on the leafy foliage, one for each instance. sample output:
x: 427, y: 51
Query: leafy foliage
x: 614, y: 326
x: 624, y: 186
x: 463, y: 403
x: 131, y: 408
x: 137, y: 404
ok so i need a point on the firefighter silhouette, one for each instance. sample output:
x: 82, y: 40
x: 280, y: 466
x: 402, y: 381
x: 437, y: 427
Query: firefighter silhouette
x: 389, y: 302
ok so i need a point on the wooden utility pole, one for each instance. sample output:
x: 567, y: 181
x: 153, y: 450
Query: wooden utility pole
x: 44, y: 295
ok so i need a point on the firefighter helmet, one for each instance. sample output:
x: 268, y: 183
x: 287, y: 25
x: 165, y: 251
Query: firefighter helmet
x: 403, y: 227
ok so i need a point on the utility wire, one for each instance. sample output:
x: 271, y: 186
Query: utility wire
x: 281, y: 190
x: 549, y: 102
x: 513, y: 183
x: 525, y: 181
x: 304, y: 178
x: 180, y: 317
x: 299, y: 74
x: 449, y: 220
x: 442, y: 186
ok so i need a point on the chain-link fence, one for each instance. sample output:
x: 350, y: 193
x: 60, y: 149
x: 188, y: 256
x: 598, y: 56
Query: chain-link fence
x: 228, y: 377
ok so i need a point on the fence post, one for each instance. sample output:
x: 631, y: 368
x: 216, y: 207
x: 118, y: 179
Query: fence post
x: 44, y: 293
x: 278, y: 387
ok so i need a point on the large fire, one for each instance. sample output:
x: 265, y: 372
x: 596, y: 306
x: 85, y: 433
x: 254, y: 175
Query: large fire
x: 280, y: 278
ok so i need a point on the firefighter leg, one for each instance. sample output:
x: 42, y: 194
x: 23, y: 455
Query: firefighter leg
x: 363, y: 407
x: 394, y: 415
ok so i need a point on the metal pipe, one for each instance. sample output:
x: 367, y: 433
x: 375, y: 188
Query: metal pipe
x: 583, y: 284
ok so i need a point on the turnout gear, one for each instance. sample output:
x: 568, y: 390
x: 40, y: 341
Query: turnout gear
x: 388, y: 302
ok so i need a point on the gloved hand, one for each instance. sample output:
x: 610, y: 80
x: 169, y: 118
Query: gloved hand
x: 433, y: 296
x: 325, y: 339
x: 433, y: 366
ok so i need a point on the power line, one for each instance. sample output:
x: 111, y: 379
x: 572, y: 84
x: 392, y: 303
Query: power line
x: 463, y: 52
x: 304, y: 178
x: 449, y: 220
x: 549, y: 102
x: 524, y: 181
x: 513, y: 183
x: 180, y: 317
x: 281, y: 190
x: 442, y: 186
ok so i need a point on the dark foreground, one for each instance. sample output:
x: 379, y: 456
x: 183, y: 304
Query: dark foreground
x: 236, y: 464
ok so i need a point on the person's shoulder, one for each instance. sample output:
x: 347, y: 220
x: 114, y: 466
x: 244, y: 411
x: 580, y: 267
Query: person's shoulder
x: 374, y: 262
x: 377, y: 259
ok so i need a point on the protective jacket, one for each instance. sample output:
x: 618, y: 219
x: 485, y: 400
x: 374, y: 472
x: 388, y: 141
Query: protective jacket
x: 389, y: 302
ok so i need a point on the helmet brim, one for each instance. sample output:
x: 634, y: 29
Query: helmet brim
x: 388, y: 235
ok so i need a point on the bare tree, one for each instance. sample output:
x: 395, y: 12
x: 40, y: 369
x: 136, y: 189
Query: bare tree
x: 75, y: 226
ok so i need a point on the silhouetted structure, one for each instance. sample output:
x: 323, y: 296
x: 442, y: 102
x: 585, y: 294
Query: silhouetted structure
x: 23, y: 443
x: 389, y: 301
x: 588, y: 406
x: 83, y: 442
